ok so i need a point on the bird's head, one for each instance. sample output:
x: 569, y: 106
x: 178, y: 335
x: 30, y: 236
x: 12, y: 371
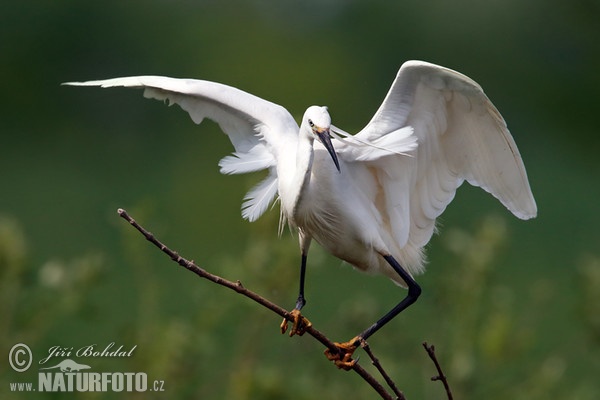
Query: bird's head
x: 317, y: 124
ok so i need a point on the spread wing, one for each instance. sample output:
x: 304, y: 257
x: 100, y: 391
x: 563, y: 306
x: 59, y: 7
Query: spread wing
x: 257, y: 128
x: 460, y: 136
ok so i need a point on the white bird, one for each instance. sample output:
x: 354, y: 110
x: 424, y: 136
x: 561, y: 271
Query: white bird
x: 371, y: 199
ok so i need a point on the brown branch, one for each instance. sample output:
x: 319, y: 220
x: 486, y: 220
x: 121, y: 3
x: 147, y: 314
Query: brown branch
x: 440, y: 377
x: 384, y: 374
x: 239, y: 288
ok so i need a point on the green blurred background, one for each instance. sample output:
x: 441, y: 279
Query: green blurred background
x: 513, y: 307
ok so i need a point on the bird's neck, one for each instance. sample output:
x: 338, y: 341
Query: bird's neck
x: 304, y: 162
x: 300, y: 179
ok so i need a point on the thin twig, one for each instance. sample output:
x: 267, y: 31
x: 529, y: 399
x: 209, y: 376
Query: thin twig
x: 384, y: 374
x: 239, y: 288
x: 440, y: 377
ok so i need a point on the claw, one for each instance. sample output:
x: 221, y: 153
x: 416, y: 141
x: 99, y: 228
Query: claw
x: 299, y: 326
x: 343, y: 358
x: 284, y: 326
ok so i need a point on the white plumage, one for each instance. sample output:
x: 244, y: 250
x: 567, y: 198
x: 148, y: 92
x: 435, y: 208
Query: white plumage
x: 435, y: 129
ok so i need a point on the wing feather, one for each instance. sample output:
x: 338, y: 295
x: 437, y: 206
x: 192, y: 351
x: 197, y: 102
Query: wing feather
x: 258, y: 199
x: 257, y: 128
x: 460, y: 136
x: 253, y: 160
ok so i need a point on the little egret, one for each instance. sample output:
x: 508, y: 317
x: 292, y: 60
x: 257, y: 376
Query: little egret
x: 371, y: 199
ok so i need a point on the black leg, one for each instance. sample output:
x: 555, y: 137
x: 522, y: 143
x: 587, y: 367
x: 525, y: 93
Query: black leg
x: 301, y: 301
x: 414, y: 290
x: 300, y: 323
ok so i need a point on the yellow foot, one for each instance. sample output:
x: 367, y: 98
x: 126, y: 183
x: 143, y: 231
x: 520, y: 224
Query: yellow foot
x: 343, y: 358
x: 299, y: 326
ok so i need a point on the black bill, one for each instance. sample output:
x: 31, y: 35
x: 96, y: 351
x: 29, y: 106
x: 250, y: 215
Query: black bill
x: 326, y: 140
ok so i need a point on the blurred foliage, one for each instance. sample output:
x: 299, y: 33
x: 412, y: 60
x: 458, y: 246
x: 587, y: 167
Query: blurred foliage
x: 511, y: 306
x: 484, y: 340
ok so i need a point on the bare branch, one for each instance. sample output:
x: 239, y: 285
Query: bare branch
x: 440, y: 377
x: 384, y: 374
x: 239, y: 288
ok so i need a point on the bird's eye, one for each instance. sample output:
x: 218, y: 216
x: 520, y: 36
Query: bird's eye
x: 311, y: 123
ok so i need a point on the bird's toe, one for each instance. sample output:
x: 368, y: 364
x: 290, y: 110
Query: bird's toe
x: 342, y: 356
x: 299, y: 323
